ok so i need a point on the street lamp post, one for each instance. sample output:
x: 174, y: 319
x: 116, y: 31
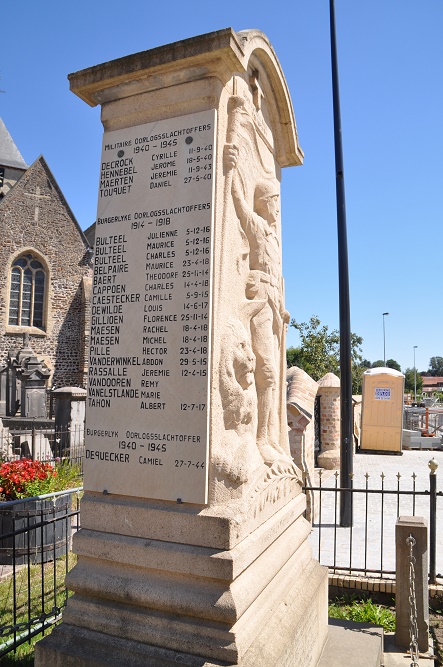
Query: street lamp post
x: 384, y: 339
x: 415, y: 377
x: 346, y: 418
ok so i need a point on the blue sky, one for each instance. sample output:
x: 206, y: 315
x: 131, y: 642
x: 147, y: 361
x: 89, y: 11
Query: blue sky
x: 390, y: 64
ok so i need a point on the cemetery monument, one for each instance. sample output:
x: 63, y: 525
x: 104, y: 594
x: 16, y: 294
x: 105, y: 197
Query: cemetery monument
x: 193, y: 547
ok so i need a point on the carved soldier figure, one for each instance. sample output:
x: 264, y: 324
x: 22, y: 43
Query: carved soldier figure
x: 264, y: 283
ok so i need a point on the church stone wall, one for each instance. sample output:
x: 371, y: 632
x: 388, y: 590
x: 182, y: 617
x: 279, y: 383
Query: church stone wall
x: 35, y: 217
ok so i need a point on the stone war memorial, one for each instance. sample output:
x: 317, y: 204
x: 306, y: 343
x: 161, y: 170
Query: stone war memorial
x: 193, y: 548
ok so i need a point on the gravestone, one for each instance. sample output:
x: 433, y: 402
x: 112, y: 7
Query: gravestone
x: 69, y: 417
x: 193, y: 547
x: 26, y: 382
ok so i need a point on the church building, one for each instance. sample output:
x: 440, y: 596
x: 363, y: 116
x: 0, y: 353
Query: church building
x: 45, y: 272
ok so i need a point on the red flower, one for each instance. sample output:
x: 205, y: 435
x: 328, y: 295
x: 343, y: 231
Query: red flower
x: 16, y: 475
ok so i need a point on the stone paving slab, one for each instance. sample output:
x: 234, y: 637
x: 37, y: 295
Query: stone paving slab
x: 393, y: 657
x: 352, y: 644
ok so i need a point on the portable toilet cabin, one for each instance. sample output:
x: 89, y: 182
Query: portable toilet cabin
x: 382, y: 410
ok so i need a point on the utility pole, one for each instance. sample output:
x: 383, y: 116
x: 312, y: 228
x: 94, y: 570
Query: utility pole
x: 346, y: 417
x: 384, y: 339
x: 415, y: 377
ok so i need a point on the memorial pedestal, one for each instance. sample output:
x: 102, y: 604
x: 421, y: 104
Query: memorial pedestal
x: 240, y: 598
x: 193, y: 544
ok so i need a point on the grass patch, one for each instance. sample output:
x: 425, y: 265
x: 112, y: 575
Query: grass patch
x: 24, y: 654
x: 39, y: 591
x: 363, y: 611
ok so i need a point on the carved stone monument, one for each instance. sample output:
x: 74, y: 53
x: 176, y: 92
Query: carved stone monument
x: 193, y: 543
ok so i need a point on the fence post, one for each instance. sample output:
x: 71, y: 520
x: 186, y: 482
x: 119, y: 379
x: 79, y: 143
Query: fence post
x: 416, y: 527
x: 433, y: 465
x: 33, y: 441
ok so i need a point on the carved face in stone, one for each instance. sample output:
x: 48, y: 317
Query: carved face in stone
x: 236, y: 375
x: 244, y: 363
x: 267, y: 201
x: 238, y: 359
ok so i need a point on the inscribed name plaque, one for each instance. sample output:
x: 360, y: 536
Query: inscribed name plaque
x: 148, y: 391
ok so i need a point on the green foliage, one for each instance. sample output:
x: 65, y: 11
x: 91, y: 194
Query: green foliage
x: 69, y: 476
x: 25, y: 478
x: 24, y: 655
x: 409, y: 381
x: 363, y: 611
x: 436, y: 366
x: 391, y: 363
x: 357, y: 371
x: 294, y: 357
x: 319, y: 348
x: 30, y: 604
x: 319, y: 352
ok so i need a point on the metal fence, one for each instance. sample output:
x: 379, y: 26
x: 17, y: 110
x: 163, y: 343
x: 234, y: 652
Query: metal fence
x: 35, y: 556
x: 36, y: 536
x: 42, y: 442
x: 368, y: 547
x: 424, y: 419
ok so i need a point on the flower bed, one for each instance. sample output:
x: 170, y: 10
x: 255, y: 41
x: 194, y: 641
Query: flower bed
x: 35, y: 529
x: 25, y: 478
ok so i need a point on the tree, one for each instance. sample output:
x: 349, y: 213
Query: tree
x: 318, y: 346
x: 391, y: 363
x: 320, y: 350
x: 294, y: 357
x: 357, y: 371
x: 436, y: 366
x: 409, y: 381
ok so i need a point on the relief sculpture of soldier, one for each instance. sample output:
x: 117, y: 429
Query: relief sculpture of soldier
x: 264, y: 283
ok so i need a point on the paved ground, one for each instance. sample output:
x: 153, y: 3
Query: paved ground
x: 373, y: 540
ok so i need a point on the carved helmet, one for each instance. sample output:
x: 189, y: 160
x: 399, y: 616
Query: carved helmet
x: 265, y: 189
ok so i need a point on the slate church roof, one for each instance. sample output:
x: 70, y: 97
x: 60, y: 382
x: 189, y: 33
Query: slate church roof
x: 10, y: 156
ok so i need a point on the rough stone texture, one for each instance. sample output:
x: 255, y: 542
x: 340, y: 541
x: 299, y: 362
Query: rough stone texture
x: 34, y: 217
x: 329, y: 392
x: 234, y: 582
x: 264, y: 602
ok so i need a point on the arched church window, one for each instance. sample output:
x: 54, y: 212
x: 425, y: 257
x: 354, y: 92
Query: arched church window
x: 27, y: 294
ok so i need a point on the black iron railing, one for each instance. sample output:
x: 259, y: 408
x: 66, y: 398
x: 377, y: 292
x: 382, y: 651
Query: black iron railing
x: 368, y: 546
x: 41, y: 440
x: 35, y: 556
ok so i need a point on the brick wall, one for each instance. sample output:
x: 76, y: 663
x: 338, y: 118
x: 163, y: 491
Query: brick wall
x: 329, y: 392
